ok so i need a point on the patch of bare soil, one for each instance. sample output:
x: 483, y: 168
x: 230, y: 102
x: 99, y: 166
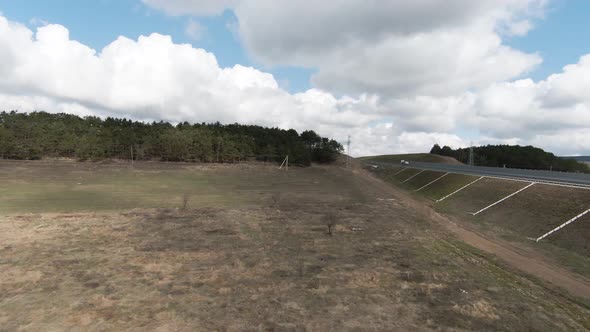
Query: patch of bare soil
x: 526, y: 260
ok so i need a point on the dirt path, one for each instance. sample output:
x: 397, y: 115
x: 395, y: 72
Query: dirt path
x: 526, y: 261
x: 532, y: 263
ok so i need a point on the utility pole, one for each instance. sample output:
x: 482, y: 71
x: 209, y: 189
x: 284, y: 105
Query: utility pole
x: 348, y: 152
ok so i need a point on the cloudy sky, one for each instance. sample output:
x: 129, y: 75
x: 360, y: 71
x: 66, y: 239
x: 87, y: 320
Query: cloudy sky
x: 398, y: 76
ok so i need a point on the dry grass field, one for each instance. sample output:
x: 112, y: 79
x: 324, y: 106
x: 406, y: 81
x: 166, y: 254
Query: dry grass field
x: 180, y: 247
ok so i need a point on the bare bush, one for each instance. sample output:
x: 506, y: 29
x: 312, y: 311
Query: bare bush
x: 330, y: 220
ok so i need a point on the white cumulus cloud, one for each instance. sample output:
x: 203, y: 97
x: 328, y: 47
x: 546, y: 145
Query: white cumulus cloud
x: 392, y: 48
x: 153, y: 78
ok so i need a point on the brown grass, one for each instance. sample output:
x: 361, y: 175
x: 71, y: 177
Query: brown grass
x: 269, y: 266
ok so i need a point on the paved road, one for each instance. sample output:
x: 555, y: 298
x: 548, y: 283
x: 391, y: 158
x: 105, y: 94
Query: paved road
x: 561, y: 178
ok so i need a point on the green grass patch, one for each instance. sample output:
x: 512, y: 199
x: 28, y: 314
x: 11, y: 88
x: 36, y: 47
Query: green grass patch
x: 126, y: 189
x: 421, y: 157
x: 31, y: 187
x: 447, y: 185
x: 422, y: 179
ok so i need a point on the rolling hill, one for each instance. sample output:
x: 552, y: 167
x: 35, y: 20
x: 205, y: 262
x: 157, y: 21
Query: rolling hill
x: 422, y: 157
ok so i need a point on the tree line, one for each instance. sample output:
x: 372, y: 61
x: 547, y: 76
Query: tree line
x: 37, y: 135
x: 513, y: 156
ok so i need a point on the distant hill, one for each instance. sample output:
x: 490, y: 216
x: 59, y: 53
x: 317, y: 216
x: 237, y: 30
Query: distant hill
x: 579, y: 158
x: 423, y: 157
x: 513, y: 156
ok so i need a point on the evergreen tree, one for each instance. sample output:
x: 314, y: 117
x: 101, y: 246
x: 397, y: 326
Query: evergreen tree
x: 513, y: 156
x: 40, y: 134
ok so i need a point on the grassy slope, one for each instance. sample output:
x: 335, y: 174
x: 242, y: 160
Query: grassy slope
x: 579, y: 158
x: 582, y: 159
x: 422, y: 157
x: 529, y: 214
x: 79, y: 187
x: 57, y: 187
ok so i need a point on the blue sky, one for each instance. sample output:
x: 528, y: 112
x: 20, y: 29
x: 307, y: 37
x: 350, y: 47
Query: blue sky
x: 560, y: 37
x: 98, y: 23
